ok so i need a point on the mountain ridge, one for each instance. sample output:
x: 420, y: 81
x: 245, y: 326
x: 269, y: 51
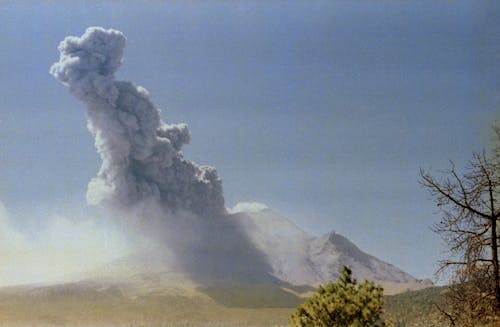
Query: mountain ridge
x: 300, y: 258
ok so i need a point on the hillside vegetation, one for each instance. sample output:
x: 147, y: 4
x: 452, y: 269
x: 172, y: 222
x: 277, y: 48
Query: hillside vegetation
x: 416, y: 308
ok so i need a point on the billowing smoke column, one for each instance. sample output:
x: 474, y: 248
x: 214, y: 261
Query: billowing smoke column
x: 144, y: 177
x: 141, y: 155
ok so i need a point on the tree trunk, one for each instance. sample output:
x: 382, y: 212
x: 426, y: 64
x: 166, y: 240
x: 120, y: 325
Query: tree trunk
x: 494, y: 254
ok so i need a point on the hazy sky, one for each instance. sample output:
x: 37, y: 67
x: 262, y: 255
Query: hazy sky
x: 322, y: 110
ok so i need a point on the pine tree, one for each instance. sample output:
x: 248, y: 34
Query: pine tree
x: 344, y: 303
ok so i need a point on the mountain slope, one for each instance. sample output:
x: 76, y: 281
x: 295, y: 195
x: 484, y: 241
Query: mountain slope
x: 268, y: 250
x: 299, y: 258
x: 285, y: 245
x: 330, y: 252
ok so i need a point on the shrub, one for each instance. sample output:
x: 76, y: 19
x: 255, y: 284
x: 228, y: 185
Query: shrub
x: 343, y: 303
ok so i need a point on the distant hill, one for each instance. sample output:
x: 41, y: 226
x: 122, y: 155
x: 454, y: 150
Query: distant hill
x: 416, y: 308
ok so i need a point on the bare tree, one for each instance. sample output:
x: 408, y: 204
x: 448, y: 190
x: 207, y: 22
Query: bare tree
x: 470, y: 211
x: 469, y: 298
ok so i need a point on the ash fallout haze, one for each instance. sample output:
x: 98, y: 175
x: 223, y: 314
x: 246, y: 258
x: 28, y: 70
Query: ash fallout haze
x: 322, y: 111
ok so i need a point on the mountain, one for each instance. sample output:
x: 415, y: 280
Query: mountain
x: 301, y: 259
x: 263, y: 248
x: 248, y: 269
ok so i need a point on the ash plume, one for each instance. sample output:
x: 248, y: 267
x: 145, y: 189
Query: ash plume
x: 141, y: 155
x: 144, y: 177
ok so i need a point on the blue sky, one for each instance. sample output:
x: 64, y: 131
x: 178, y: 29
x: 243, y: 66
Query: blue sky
x: 323, y: 110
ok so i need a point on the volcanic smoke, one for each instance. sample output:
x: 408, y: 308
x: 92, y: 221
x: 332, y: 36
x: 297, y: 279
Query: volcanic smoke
x: 144, y: 174
x: 141, y: 155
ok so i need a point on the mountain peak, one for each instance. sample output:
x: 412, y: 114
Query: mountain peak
x: 299, y: 258
x: 346, y: 247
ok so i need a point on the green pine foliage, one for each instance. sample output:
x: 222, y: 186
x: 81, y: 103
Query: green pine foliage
x: 344, y: 303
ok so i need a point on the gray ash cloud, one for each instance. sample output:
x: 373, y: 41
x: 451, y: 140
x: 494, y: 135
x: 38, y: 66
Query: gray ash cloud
x: 141, y: 155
